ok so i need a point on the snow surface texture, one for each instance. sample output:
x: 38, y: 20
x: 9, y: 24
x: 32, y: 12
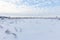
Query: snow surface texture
x: 29, y: 29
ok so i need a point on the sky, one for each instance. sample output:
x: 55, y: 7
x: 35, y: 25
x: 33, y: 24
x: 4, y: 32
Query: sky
x: 30, y: 7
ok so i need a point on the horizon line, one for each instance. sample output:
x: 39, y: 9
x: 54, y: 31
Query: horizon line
x: 31, y: 17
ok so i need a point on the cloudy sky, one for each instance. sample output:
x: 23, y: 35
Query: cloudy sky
x: 30, y: 7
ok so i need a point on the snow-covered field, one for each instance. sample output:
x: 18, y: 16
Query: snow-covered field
x: 29, y: 29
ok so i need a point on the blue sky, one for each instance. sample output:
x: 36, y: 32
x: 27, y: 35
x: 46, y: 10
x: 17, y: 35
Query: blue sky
x: 30, y: 7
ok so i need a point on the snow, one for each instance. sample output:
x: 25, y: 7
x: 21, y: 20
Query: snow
x: 29, y: 29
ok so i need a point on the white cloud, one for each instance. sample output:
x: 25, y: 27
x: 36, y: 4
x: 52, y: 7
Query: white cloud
x: 6, y: 7
x: 9, y: 8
